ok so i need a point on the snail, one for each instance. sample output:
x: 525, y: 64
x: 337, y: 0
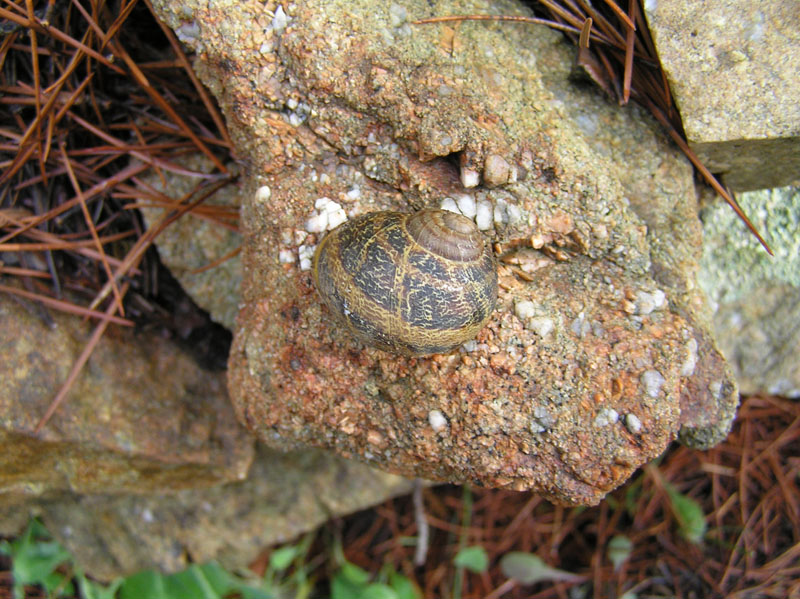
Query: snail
x: 412, y: 284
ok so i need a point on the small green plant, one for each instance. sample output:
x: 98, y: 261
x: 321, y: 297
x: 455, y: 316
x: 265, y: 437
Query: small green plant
x: 527, y: 568
x: 35, y: 559
x: 688, y: 513
x: 472, y: 558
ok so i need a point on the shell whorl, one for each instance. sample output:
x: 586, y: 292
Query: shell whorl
x: 413, y: 284
x: 446, y: 234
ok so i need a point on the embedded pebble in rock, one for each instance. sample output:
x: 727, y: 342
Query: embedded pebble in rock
x: 470, y: 177
x: 606, y: 416
x: 653, y: 381
x: 437, y: 420
x: 483, y: 215
x: 541, y: 325
x: 496, y: 170
x: 524, y: 309
x: 633, y: 424
x: 647, y: 302
x: 410, y: 125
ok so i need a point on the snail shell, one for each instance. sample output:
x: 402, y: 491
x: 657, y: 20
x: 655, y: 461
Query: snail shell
x: 412, y: 284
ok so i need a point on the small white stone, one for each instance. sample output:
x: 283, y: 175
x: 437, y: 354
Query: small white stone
x: 496, y: 170
x: 541, y: 325
x: 322, y: 203
x: 286, y: 257
x: 524, y: 309
x: 336, y: 218
x: 263, y: 194
x: 305, y: 253
x: 687, y: 368
x: 470, y: 177
x: 437, y: 420
x: 280, y: 19
x: 580, y: 326
x: 299, y: 236
x: 147, y: 515
x: 501, y: 212
x: 450, y: 205
x: 606, y: 416
x: 514, y: 213
x: 633, y: 424
x: 466, y: 205
x: 317, y: 223
x: 648, y: 302
x: 653, y: 381
x: 483, y: 215
x: 470, y: 346
x: 354, y: 193
x: 295, y: 120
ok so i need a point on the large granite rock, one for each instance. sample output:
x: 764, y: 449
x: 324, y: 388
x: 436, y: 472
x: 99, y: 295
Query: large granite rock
x: 755, y: 297
x: 732, y: 67
x: 586, y: 371
x: 142, y: 417
x: 285, y: 495
x: 144, y: 465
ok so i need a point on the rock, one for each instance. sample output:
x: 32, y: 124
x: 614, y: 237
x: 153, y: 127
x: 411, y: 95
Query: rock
x: 194, y: 242
x: 732, y: 68
x: 343, y: 104
x: 756, y: 298
x: 142, y: 417
x: 284, y: 496
x: 130, y: 472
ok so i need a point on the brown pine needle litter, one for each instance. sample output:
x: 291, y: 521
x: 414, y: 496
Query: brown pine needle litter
x: 93, y: 96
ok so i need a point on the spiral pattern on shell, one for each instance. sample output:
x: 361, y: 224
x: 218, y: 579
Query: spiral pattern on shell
x: 413, y: 284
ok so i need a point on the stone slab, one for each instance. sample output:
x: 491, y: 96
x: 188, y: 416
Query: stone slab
x: 733, y: 69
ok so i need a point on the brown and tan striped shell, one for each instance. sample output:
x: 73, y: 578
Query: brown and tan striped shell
x: 413, y: 284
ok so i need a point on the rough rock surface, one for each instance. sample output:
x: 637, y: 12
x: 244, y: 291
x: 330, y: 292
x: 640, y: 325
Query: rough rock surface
x: 118, y: 431
x: 127, y: 474
x: 284, y: 496
x: 586, y: 371
x: 193, y: 243
x: 732, y: 67
x: 755, y: 297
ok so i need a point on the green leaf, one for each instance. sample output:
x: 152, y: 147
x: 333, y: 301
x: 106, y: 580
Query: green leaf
x: 472, y: 558
x: 354, y: 574
x: 619, y: 550
x: 528, y: 568
x: 282, y: 558
x: 689, y: 514
x: 207, y: 581
x: 378, y: 590
x: 404, y: 586
x: 344, y: 588
x: 90, y: 589
x: 143, y: 584
x: 34, y: 558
